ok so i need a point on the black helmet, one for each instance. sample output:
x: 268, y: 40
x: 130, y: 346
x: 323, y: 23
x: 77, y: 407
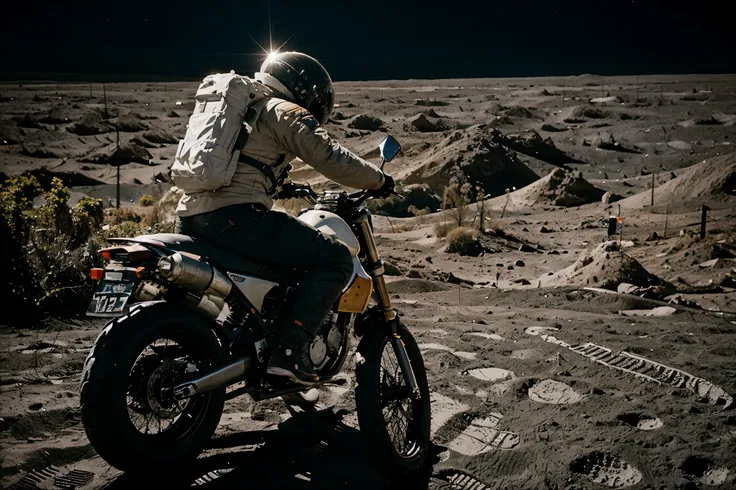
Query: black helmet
x: 305, y: 79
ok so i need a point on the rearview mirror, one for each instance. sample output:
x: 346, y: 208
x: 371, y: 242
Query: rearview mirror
x: 389, y: 148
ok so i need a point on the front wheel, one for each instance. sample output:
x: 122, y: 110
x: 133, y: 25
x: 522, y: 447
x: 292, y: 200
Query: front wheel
x: 396, y: 425
x: 127, y: 420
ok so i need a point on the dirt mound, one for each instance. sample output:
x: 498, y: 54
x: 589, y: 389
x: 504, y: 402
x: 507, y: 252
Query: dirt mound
x: 70, y: 179
x: 160, y: 136
x: 129, y: 124
x: 561, y: 188
x: 589, y: 112
x: 90, y: 125
x: 425, y: 124
x: 711, y: 179
x: 366, y: 122
x: 416, y: 197
x: 606, y: 266
x: 476, y: 156
x: 9, y: 135
x: 531, y: 144
x: 112, y: 155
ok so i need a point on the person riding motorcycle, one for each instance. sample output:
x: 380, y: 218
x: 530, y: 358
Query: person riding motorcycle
x: 239, y: 218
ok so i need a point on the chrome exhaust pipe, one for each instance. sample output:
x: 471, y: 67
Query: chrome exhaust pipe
x: 213, y: 380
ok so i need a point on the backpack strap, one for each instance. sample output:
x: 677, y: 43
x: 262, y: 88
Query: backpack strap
x: 267, y: 170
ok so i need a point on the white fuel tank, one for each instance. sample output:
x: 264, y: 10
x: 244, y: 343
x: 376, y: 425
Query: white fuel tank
x: 332, y: 225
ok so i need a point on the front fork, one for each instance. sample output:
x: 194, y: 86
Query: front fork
x: 376, y: 271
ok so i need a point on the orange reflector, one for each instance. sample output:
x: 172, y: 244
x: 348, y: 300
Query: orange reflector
x: 140, y: 272
x: 105, y: 252
x: 96, y: 274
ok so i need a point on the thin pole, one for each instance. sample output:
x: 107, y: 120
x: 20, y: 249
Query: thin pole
x: 703, y: 219
x: 117, y: 180
x: 104, y: 98
x: 666, y: 219
x: 652, y: 189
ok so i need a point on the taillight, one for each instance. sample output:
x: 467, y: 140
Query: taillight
x: 134, y: 253
x: 96, y: 274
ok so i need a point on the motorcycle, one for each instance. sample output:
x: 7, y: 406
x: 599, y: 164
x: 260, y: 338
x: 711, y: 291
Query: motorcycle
x: 189, y: 320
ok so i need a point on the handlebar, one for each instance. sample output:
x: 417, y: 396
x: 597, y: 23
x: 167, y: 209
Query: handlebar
x: 306, y: 192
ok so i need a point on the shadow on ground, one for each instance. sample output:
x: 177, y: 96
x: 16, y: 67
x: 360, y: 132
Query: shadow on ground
x: 310, y: 450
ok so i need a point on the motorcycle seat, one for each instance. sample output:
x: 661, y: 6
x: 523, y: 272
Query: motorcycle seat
x: 223, y: 259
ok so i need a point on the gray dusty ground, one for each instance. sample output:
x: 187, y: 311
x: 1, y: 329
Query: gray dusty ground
x: 537, y: 382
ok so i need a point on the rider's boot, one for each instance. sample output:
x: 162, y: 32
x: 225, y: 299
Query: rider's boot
x: 290, y: 358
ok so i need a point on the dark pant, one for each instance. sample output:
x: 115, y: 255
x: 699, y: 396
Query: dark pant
x: 277, y: 238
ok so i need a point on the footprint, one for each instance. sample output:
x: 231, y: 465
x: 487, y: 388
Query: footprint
x: 433, y: 346
x: 540, y: 330
x: 482, y: 435
x: 606, y: 469
x: 490, y: 374
x: 465, y: 355
x: 525, y: 354
x: 491, y: 336
x: 640, y: 420
x: 460, y: 480
x: 554, y: 392
x: 702, y: 469
x: 443, y: 409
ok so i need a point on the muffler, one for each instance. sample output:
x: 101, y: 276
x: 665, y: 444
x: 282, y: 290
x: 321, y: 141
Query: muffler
x: 198, y: 277
x: 211, y: 381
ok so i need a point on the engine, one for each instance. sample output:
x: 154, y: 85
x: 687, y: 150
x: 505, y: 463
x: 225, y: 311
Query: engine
x: 329, y: 340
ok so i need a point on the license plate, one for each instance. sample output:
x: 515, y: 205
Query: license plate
x: 110, y: 298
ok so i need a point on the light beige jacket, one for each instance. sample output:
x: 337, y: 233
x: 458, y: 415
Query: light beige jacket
x: 284, y: 128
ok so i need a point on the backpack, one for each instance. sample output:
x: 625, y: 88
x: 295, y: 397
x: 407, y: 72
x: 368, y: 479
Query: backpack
x: 207, y: 157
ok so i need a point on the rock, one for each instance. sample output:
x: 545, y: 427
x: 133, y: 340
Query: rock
x: 526, y: 248
x: 4, y: 425
x: 713, y: 263
x: 414, y: 274
x: 430, y: 102
x: 366, y: 122
x: 391, y: 270
x: 519, y: 263
x: 553, y: 252
x: 544, y: 229
x: 160, y: 136
x: 172, y: 113
x: 610, y: 197
x: 511, y: 267
x: 35, y: 406
x: 680, y: 145
x: 338, y: 116
x: 652, y: 237
x: 160, y: 177
x: 28, y: 121
x: 421, y: 123
x: 552, y: 129
x: 523, y: 282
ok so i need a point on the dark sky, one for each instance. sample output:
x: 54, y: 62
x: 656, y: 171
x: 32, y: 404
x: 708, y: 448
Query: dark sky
x: 373, y: 39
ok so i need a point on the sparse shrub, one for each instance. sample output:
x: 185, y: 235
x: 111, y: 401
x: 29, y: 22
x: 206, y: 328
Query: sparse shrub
x: 87, y: 217
x: 47, y: 257
x: 442, y: 228
x: 463, y: 241
x: 418, y: 212
x: 118, y: 216
x: 145, y: 200
x: 496, y: 227
x: 456, y: 198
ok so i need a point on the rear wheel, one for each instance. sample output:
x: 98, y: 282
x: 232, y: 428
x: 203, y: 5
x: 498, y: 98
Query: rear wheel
x: 126, y: 418
x: 395, y: 424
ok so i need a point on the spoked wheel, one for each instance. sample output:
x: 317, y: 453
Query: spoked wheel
x: 127, y: 417
x: 162, y: 364
x: 395, y: 422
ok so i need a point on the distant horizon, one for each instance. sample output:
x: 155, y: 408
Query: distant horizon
x: 62, y: 77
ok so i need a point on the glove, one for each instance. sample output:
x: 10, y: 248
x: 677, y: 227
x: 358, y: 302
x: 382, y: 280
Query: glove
x: 285, y: 191
x: 388, y: 187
